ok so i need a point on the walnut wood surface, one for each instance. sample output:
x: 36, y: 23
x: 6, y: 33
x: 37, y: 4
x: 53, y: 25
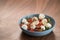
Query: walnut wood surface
x: 12, y: 10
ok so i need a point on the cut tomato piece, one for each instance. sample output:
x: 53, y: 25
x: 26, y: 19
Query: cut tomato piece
x: 28, y: 26
x: 39, y: 24
x: 31, y: 30
x: 30, y: 20
x: 40, y: 20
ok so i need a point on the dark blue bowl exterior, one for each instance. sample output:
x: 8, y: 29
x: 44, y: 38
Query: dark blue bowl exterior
x: 38, y: 33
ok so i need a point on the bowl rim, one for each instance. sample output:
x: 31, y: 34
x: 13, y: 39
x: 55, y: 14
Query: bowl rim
x: 36, y: 31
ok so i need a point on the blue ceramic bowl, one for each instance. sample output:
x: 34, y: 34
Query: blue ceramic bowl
x: 38, y: 33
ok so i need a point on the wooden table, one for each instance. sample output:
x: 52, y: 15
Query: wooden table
x: 12, y: 10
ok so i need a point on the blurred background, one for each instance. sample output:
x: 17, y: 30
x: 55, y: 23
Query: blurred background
x: 12, y: 10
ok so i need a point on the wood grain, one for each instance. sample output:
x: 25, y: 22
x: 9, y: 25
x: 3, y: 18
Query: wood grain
x: 12, y: 10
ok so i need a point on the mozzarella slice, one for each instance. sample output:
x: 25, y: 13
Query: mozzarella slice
x: 24, y: 21
x: 35, y: 18
x: 48, y: 25
x: 44, y: 21
x: 35, y: 22
x: 41, y: 16
x: 24, y: 27
x: 33, y: 26
x: 42, y: 27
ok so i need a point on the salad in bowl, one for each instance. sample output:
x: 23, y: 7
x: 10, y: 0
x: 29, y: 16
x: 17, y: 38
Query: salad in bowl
x: 37, y: 24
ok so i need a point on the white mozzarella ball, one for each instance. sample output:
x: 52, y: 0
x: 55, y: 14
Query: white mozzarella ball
x: 48, y: 25
x: 24, y: 21
x: 41, y: 16
x: 42, y: 27
x: 35, y: 18
x: 24, y: 27
x: 35, y: 22
x: 44, y: 21
x: 33, y: 26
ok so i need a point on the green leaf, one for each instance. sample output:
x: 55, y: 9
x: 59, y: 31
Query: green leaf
x: 46, y: 28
